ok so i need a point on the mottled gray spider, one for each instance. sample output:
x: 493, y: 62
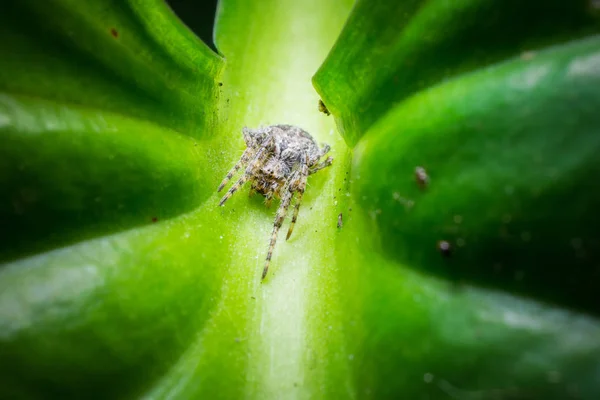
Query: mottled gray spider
x: 278, y: 159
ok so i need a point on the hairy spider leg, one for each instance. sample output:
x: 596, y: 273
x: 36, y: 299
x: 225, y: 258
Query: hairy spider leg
x: 268, y: 199
x: 301, y: 187
x: 271, y: 194
x: 279, y: 217
x: 244, y: 177
x: 321, y: 165
x: 242, y: 162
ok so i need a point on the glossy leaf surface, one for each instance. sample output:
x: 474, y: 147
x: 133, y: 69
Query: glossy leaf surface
x: 390, y: 50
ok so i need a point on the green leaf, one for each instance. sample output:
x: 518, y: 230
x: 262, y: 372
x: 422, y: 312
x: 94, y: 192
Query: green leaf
x: 390, y: 50
x: 503, y: 191
x: 122, y: 278
x: 101, y: 110
x: 96, y: 100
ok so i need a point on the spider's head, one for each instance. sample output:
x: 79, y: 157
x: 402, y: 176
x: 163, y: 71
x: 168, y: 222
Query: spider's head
x: 275, y: 169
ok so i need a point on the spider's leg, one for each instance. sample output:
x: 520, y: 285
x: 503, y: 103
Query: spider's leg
x: 241, y: 163
x: 268, y: 200
x: 321, y: 165
x: 234, y: 188
x: 325, y: 149
x: 300, y: 188
x: 281, y: 213
x: 244, y: 177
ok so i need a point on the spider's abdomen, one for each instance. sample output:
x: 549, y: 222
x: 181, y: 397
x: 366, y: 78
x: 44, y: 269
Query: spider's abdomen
x: 296, y: 145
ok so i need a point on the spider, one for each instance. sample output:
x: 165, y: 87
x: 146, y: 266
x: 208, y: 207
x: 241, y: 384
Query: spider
x: 278, y: 159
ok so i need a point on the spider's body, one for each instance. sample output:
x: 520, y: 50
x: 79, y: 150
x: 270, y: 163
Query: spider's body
x: 278, y: 159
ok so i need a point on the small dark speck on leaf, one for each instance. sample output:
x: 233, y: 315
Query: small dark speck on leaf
x: 444, y: 248
x: 350, y: 209
x: 154, y: 219
x: 340, y: 221
x: 421, y: 177
x: 253, y: 298
x: 323, y: 107
x: 220, y: 83
x: 114, y: 32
